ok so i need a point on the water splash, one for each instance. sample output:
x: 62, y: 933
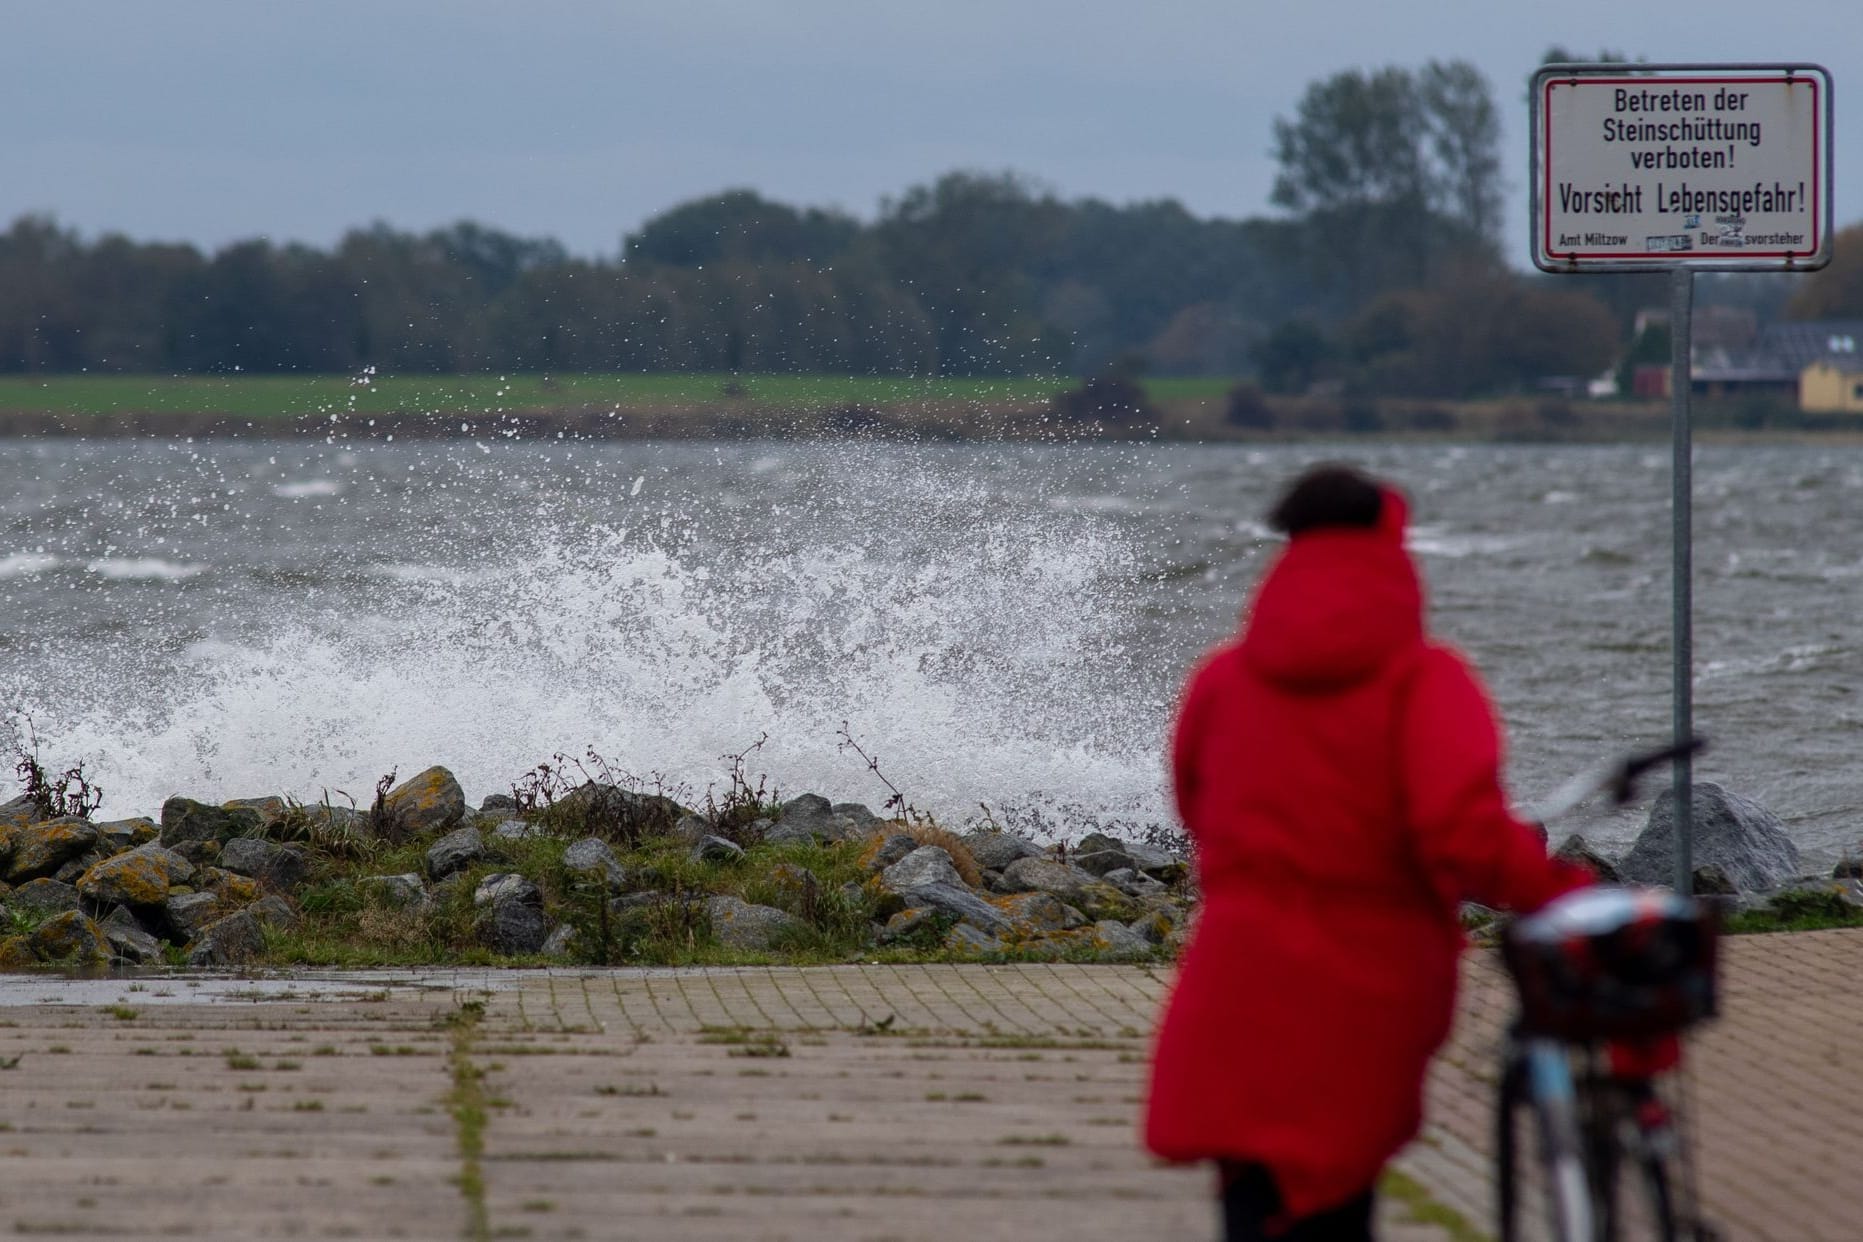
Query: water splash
x: 976, y: 640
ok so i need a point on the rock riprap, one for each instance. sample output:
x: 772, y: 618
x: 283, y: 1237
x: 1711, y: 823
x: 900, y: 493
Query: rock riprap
x: 602, y: 874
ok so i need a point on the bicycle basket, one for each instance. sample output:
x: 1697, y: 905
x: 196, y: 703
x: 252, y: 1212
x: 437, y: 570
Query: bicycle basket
x: 1613, y: 963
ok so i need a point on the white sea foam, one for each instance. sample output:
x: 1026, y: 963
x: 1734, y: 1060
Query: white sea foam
x: 25, y: 564
x: 306, y: 488
x: 1435, y: 541
x: 978, y: 658
x: 122, y: 568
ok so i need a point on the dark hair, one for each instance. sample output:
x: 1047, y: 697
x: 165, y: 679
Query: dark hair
x: 1327, y: 495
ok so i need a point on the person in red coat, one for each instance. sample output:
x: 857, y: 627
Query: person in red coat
x: 1339, y: 774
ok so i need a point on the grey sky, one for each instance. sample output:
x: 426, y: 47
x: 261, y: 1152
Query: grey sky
x: 211, y: 120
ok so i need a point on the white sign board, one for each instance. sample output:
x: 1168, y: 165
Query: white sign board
x: 1652, y: 168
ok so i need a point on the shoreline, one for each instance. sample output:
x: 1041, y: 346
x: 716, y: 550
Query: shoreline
x: 1179, y: 420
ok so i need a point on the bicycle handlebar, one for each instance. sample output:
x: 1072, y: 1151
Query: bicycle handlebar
x: 1617, y: 777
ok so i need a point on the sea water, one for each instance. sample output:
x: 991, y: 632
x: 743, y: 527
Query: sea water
x: 1004, y: 627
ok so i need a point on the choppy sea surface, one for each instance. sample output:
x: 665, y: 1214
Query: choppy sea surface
x: 1000, y: 625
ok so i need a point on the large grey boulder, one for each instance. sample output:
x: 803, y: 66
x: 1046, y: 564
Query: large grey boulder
x: 811, y: 817
x: 1738, y: 835
x: 739, y: 925
x: 928, y: 877
x: 429, y: 802
x: 1034, y: 913
x: 1042, y: 875
x: 590, y: 858
x: 1116, y: 940
x: 279, y: 867
x: 184, y: 819
x: 928, y: 864
x: 511, y: 920
x: 996, y: 850
x: 231, y: 941
x: 128, y: 941
x: 117, y: 835
x: 454, y: 852
x: 1099, y: 853
x: 18, y: 812
x: 188, y: 914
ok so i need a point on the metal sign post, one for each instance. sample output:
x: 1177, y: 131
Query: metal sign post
x: 1674, y: 168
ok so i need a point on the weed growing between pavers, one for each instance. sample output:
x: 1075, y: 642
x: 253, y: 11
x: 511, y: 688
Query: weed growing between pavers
x: 467, y: 1103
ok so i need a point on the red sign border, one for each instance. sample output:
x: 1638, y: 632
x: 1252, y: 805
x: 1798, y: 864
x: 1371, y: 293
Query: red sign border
x: 1678, y: 256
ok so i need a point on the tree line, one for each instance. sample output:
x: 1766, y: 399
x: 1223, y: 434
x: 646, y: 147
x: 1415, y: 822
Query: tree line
x: 1383, y: 273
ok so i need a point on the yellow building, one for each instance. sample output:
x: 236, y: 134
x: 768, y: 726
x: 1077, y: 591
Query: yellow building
x: 1832, y: 385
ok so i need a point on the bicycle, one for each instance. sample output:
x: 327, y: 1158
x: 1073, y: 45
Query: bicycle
x: 1608, y: 979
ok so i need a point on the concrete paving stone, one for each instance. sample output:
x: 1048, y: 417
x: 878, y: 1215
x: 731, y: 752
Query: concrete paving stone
x: 856, y: 1102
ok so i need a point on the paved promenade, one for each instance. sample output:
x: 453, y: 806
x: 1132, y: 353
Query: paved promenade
x: 851, y: 1102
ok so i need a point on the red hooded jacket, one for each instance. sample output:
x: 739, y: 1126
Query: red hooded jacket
x: 1339, y: 775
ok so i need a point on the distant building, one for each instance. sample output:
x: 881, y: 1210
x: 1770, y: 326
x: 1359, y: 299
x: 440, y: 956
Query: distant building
x: 1832, y: 385
x: 1776, y: 360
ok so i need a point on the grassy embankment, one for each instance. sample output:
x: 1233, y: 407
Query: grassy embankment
x: 640, y: 406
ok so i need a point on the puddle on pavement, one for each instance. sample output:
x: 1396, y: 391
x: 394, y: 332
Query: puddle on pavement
x: 195, y: 988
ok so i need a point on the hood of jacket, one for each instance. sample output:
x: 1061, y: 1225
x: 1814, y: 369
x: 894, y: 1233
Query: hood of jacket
x: 1336, y: 606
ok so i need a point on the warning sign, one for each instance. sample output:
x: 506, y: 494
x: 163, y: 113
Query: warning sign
x: 1667, y: 168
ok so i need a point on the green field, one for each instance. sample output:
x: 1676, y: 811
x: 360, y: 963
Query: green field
x: 272, y: 396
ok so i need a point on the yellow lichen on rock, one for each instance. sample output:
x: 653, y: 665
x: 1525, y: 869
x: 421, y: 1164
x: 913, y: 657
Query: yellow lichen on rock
x: 426, y: 803
x: 138, y: 878
x: 70, y: 937
x: 16, y: 953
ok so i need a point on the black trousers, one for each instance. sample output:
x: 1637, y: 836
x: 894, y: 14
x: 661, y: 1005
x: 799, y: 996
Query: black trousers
x: 1250, y: 1200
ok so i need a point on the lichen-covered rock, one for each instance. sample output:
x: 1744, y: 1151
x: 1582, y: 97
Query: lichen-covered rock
x: 69, y: 870
x: 429, y: 802
x: 560, y: 943
x: 454, y: 852
x: 907, y: 923
x: 739, y: 925
x: 606, y: 810
x: 231, y: 941
x: 392, y: 891
x: 42, y: 848
x: 43, y: 897
x: 884, y: 851
x: 963, y: 938
x: 141, y: 877
x: 1042, y: 875
x: 16, y: 953
x: 126, y: 834
x: 281, y: 868
x: 591, y: 859
x: 270, y: 809
x: 70, y: 937
x: 187, y: 914
x: 1116, y: 940
x: 232, y: 889
x: 184, y: 819
x: 1033, y: 913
